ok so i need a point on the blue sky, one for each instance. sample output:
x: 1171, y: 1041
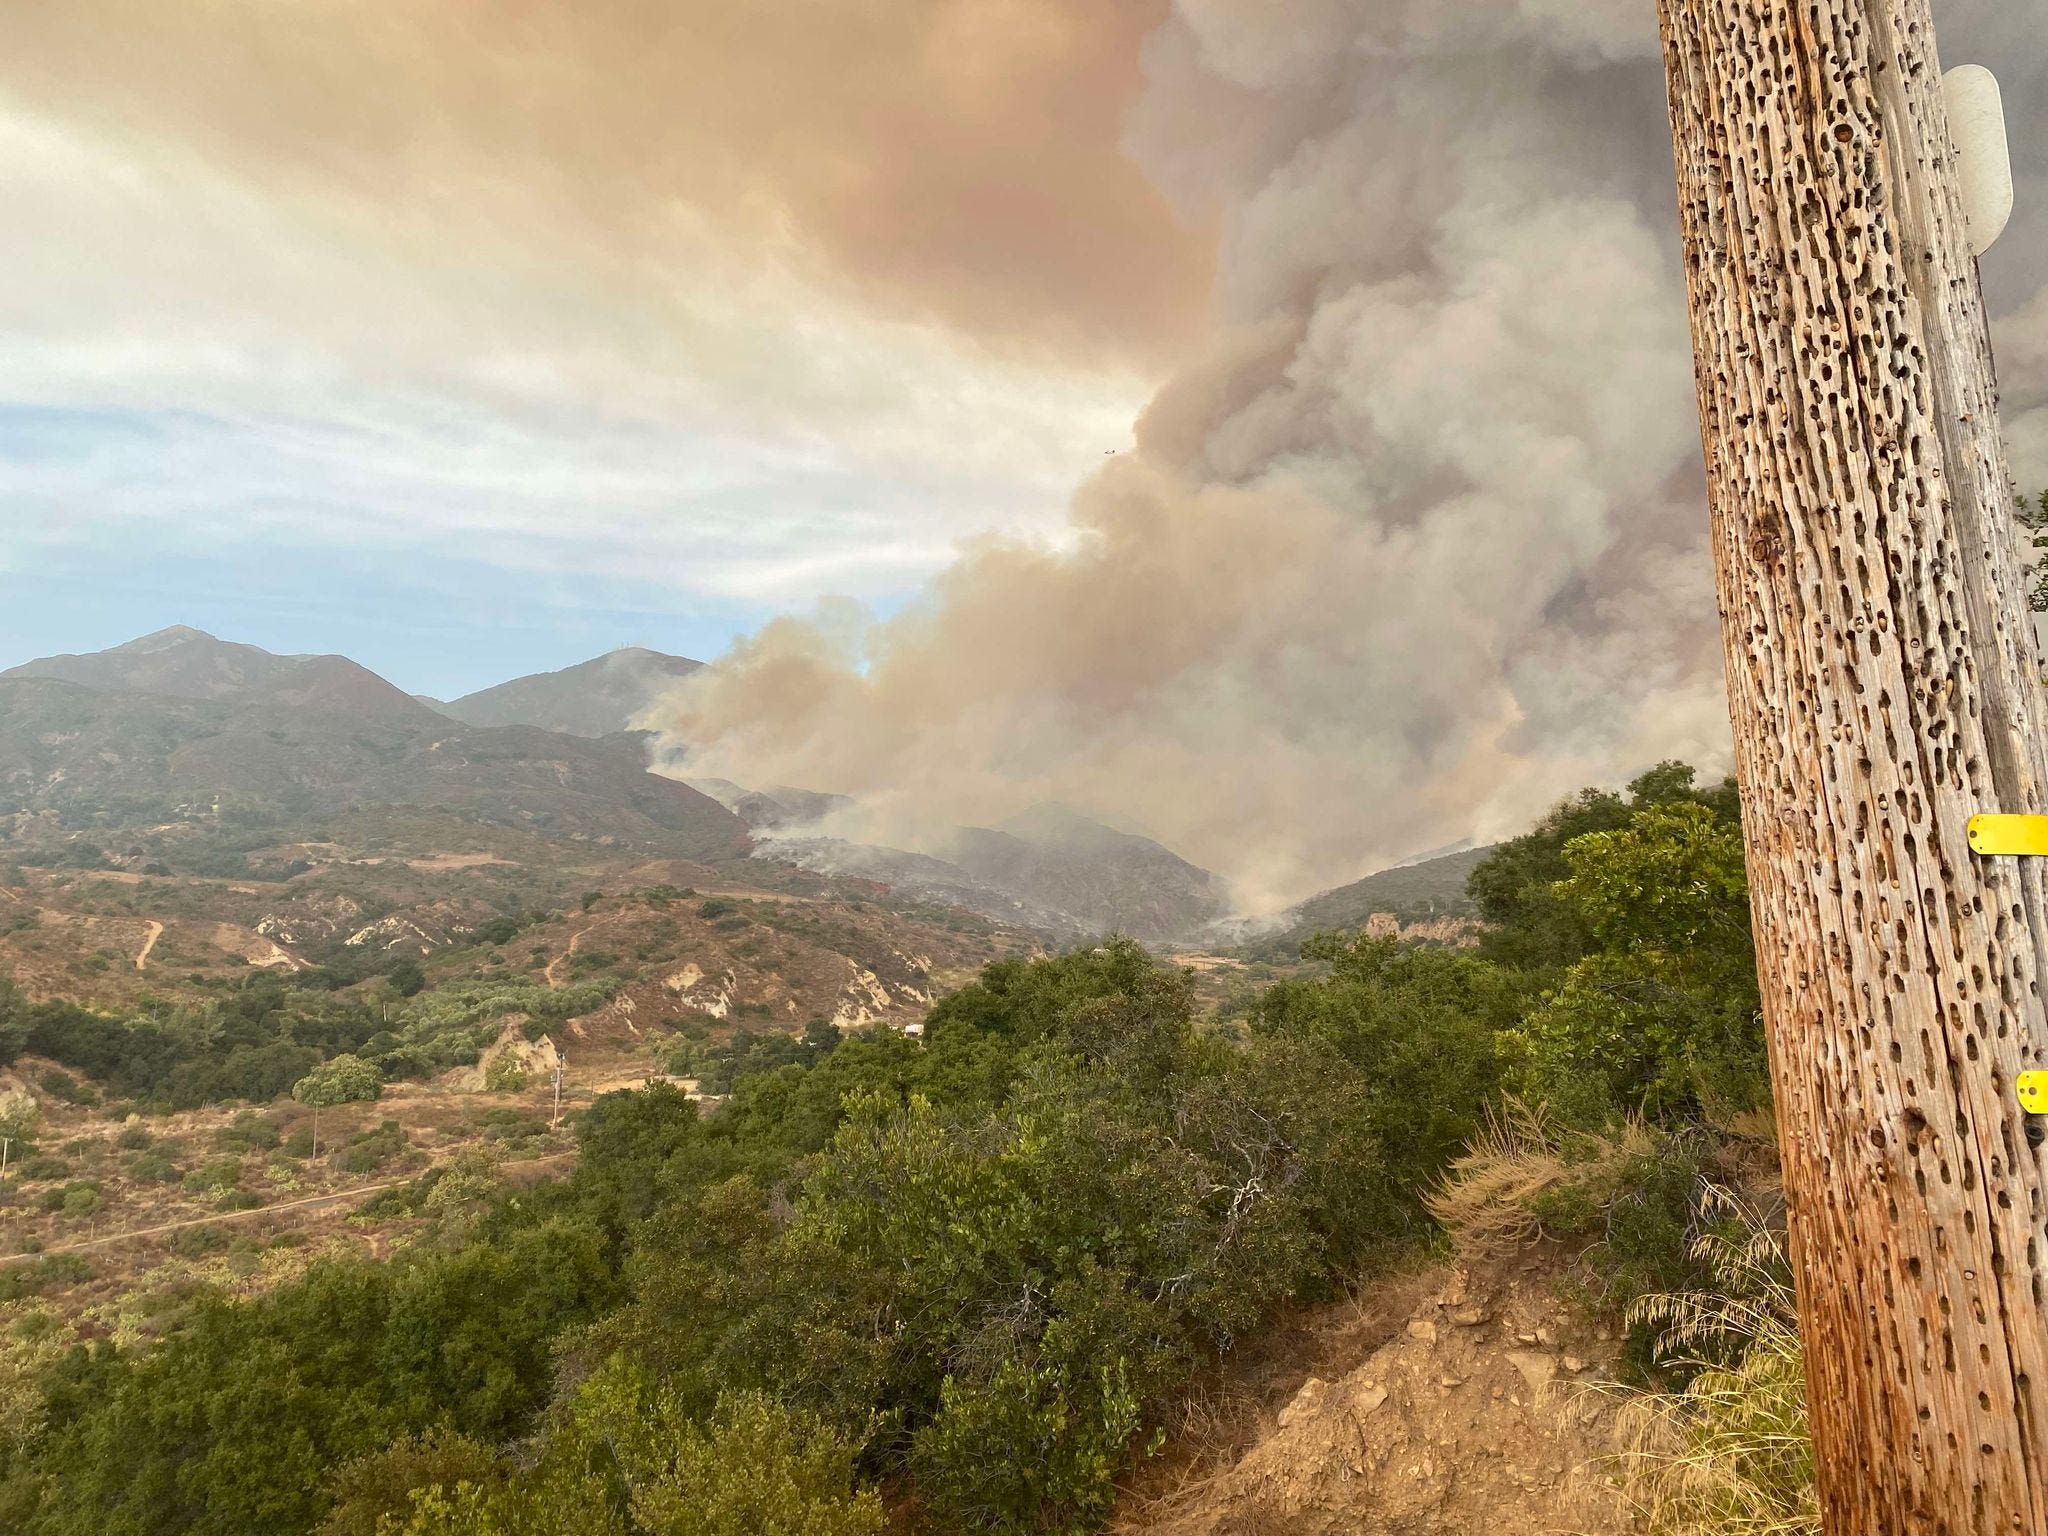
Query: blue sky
x: 444, y: 631
x: 310, y: 536
x: 449, y: 539
x: 468, y: 347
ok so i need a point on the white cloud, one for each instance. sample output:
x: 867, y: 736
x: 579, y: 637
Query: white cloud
x: 302, y: 382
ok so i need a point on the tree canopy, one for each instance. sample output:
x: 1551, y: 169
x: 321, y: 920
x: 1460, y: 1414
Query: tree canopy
x: 339, y: 1080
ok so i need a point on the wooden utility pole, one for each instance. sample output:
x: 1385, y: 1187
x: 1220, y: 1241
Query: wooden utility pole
x: 1884, y: 685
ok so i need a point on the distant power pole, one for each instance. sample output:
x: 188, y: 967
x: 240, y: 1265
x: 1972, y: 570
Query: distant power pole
x: 1885, y: 687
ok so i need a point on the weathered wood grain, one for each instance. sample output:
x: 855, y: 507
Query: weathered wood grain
x: 1884, y: 685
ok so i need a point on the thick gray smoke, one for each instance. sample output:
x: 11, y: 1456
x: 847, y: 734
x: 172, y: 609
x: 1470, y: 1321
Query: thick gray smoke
x: 1416, y: 544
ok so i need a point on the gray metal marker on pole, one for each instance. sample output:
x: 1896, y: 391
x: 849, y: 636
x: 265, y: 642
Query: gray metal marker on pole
x: 1976, y: 121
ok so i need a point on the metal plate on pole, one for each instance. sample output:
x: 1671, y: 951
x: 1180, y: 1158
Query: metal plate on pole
x: 1976, y: 121
x: 2010, y: 836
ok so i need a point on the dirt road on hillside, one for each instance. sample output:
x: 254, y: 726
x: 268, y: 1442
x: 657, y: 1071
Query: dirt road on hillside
x: 553, y: 974
x: 156, y: 931
x: 200, y: 1221
x: 522, y: 1170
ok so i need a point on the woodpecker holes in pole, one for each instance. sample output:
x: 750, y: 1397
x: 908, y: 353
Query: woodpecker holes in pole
x: 1976, y: 121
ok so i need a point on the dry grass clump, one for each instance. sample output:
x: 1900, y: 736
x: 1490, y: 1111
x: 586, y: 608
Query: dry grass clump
x: 1726, y: 1454
x: 1492, y: 1202
x: 1724, y: 1449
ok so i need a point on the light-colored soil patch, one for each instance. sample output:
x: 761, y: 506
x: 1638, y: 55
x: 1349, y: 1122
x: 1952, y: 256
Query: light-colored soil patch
x: 442, y: 863
x: 623, y: 1082
x: 156, y: 931
x: 254, y: 948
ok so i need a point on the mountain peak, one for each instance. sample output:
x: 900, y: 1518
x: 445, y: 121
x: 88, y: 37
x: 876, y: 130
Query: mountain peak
x: 593, y: 698
x: 163, y: 640
x: 186, y: 663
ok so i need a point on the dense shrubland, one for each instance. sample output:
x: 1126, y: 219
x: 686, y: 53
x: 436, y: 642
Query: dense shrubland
x: 257, y: 1040
x: 972, y: 1275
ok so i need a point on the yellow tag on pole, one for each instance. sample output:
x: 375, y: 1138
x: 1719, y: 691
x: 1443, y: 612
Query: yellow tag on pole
x: 2012, y: 836
x: 2033, y: 1087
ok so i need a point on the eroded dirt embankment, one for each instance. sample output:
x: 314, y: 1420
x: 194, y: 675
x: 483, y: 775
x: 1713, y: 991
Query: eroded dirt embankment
x: 1445, y: 1403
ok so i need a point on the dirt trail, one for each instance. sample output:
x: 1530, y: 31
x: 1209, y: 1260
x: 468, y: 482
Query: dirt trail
x: 1462, y: 1405
x: 200, y: 1221
x: 156, y: 931
x: 524, y: 1169
x: 552, y: 975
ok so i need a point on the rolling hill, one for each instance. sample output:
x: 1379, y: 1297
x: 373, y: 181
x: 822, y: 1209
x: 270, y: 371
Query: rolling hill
x: 185, y: 663
x: 594, y: 698
x: 1110, y: 881
x: 181, y: 727
x: 1051, y: 869
x: 1428, y: 888
x: 192, y: 736
x: 1424, y: 891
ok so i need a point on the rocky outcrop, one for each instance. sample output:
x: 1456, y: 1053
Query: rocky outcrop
x: 1452, y: 932
x: 536, y: 1058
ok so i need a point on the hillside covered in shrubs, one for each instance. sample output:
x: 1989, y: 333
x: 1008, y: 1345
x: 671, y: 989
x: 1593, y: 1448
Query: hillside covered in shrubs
x: 959, y: 1284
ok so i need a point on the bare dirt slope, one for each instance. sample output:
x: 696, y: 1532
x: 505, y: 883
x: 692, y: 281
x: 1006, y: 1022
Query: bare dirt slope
x: 1452, y: 1404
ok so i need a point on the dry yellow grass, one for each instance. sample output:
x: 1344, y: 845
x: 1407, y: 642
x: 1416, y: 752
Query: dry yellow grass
x: 1727, y: 1454
x: 1489, y: 1203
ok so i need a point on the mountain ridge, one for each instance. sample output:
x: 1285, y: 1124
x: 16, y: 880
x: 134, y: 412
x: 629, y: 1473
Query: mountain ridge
x: 1049, y: 867
x: 1422, y: 890
x: 186, y: 663
x: 179, y: 725
x: 594, y: 698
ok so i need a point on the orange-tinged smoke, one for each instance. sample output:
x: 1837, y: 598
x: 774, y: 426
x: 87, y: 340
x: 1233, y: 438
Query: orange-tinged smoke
x: 951, y: 160
x: 1412, y: 546
x: 1413, y: 540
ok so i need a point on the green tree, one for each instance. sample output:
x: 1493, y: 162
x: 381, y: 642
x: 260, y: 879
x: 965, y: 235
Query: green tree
x: 407, y: 977
x: 1419, y: 1029
x: 1024, y: 1453
x: 382, y: 1485
x: 2033, y: 517
x: 626, y: 1459
x: 1029, y: 1000
x: 342, y: 1080
x: 231, y: 1426
x: 1663, y: 1013
x: 1515, y: 889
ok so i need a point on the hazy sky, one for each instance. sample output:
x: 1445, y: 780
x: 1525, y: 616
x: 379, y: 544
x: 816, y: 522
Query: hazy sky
x: 469, y: 339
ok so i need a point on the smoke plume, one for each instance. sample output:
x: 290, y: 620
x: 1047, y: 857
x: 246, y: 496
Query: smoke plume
x: 1415, y: 545
x: 952, y: 161
x: 1412, y: 540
